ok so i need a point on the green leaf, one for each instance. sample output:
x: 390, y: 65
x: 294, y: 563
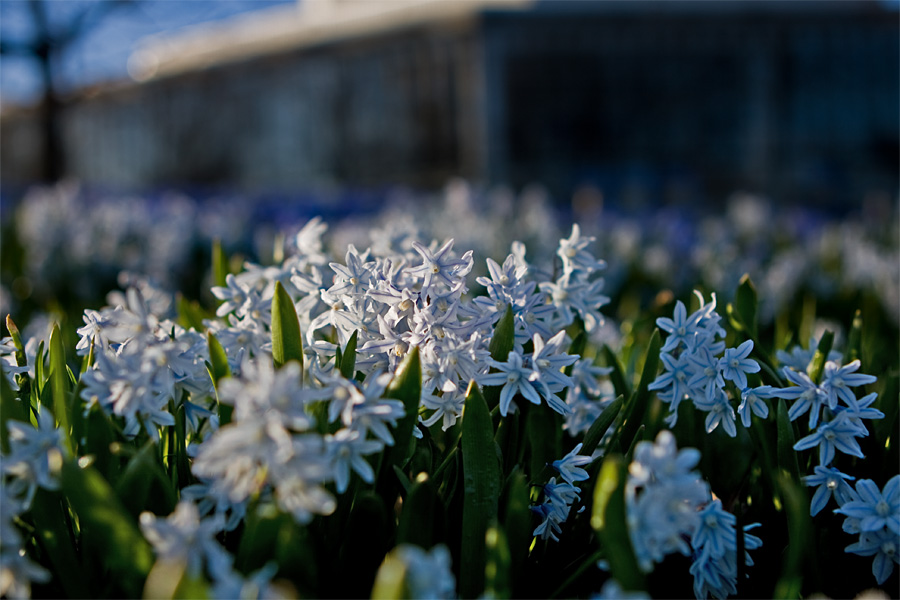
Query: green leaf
x: 501, y: 344
x: 608, y: 520
x: 270, y: 535
x: 218, y: 360
x: 144, y: 484
x: 516, y: 516
x: 364, y: 538
x: 637, y: 404
x: 10, y: 408
x: 348, y: 357
x: 405, y: 483
x: 106, y: 526
x: 49, y: 513
x: 481, y: 473
x: 600, y: 425
x: 190, y: 315
x: 854, y: 339
x: 406, y: 387
x: 817, y: 364
x: 497, y: 569
x: 507, y: 438
x: 164, y: 579
x: 543, y: 430
x: 888, y: 404
x: 218, y: 370
x: 97, y: 440
x: 424, y: 516
x: 504, y: 336
x: 796, y: 504
x: 59, y: 385
x: 219, y: 264
x: 617, y: 377
x: 576, y: 348
x: 17, y: 341
x: 787, y: 456
x: 745, y: 299
x: 88, y: 360
x: 286, y: 341
x: 390, y: 582
x: 743, y: 313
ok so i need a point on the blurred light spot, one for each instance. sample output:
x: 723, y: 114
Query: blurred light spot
x: 22, y: 288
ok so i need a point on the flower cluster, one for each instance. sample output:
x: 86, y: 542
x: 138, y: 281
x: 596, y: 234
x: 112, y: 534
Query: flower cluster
x: 670, y: 509
x: 144, y: 363
x: 835, y: 416
x: 836, y: 421
x: 694, y: 368
x: 875, y: 515
x: 559, y: 497
x: 33, y: 463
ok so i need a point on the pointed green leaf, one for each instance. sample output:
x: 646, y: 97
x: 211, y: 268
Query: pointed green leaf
x: 219, y: 264
x: 507, y: 438
x: 637, y: 404
x: 190, y: 315
x: 348, y: 357
x: 406, y: 386
x: 608, y: 520
x: 888, y: 404
x: 854, y: 339
x: 600, y: 426
x: 405, y: 483
x: 107, y: 527
x: 617, y: 377
x: 497, y: 569
x: 88, y: 360
x: 49, y: 513
x: 576, y: 348
x: 10, y: 408
x: 516, y: 517
x: 218, y: 370
x: 390, y: 582
x: 745, y: 300
x: 423, y: 519
x: 543, y: 430
x: 144, y: 484
x: 218, y: 360
x: 501, y: 344
x: 481, y: 472
x: 504, y: 336
x: 787, y: 456
x: 59, y: 385
x: 286, y: 341
x: 796, y: 506
x: 17, y: 341
x: 97, y: 439
x: 164, y: 579
x: 364, y: 539
x: 817, y: 364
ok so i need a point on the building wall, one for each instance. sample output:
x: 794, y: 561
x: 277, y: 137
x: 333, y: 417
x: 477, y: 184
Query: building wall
x: 800, y: 104
x: 373, y: 112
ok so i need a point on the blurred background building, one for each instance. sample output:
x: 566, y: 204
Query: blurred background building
x: 650, y: 102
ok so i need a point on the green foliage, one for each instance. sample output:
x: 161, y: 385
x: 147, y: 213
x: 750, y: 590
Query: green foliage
x: 481, y: 471
x: 609, y: 521
x: 470, y: 488
x: 287, y: 344
x: 106, y: 527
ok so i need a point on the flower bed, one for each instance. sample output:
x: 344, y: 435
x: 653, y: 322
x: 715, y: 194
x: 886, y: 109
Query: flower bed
x: 388, y: 423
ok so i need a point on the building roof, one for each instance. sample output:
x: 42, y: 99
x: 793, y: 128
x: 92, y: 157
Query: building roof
x: 288, y: 27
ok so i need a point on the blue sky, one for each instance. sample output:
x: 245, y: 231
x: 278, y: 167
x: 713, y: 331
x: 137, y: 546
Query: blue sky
x: 101, y: 54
